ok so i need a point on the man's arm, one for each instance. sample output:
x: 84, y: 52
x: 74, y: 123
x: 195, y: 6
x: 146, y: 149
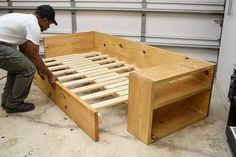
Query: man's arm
x: 31, y: 50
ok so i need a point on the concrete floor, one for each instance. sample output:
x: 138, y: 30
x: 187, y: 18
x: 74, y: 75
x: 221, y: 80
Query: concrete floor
x: 48, y: 132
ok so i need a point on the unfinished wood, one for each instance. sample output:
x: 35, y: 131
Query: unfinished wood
x: 69, y: 44
x: 90, y: 67
x: 86, y: 63
x: 135, y: 53
x: 165, y: 72
x: 122, y: 83
x: 74, y: 60
x: 186, y: 87
x: 123, y: 92
x: 69, y: 56
x: 110, y: 102
x: 167, y: 91
x: 140, y: 108
x: 85, y: 80
x: 103, y: 93
x: 79, y: 111
x: 80, y: 74
x: 96, y: 85
x: 171, y: 118
x: 113, y: 77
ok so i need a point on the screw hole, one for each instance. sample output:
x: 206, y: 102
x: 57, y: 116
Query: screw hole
x: 104, y: 44
x: 206, y: 72
x: 144, y: 52
x: 121, y: 46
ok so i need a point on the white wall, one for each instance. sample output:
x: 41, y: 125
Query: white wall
x: 190, y: 27
x: 227, y: 56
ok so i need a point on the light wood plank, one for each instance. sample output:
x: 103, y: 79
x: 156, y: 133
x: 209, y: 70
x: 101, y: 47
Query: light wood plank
x: 77, y: 75
x: 82, y: 59
x: 118, y: 69
x: 92, y: 67
x: 97, y: 85
x: 76, y: 63
x: 110, y: 102
x: 87, y: 54
x: 113, y: 77
x: 85, y: 80
x: 123, y: 92
x: 54, y: 58
x: 103, y: 93
x: 114, y: 85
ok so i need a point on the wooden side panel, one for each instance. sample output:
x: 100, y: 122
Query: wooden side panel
x: 68, y: 44
x: 143, y: 56
x: 140, y: 108
x: 78, y: 110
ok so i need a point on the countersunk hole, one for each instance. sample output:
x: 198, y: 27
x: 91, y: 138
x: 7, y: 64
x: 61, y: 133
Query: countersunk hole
x: 65, y: 107
x: 186, y: 57
x: 144, y: 52
x: 121, y: 46
x: 104, y: 44
x: 206, y: 72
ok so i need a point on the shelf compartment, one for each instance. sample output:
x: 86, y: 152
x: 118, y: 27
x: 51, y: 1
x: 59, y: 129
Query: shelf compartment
x: 175, y: 116
x: 178, y: 89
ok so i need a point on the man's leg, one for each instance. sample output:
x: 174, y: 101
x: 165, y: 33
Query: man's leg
x: 21, y: 71
x: 8, y: 88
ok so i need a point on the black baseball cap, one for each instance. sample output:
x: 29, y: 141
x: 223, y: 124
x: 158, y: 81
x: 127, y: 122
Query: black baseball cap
x: 46, y: 11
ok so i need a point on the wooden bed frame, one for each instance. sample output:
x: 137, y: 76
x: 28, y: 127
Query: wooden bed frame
x: 165, y: 91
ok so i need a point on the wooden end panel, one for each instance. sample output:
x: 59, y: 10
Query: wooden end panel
x: 141, y: 55
x: 140, y: 108
x: 78, y: 110
x: 68, y: 44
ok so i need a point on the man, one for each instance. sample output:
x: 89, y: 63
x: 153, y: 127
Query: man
x: 23, y: 30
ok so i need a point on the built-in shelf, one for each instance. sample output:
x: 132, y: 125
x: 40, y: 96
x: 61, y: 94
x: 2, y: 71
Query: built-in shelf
x: 178, y: 90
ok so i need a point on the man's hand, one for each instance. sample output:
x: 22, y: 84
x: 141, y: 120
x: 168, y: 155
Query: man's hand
x: 52, y: 80
x: 31, y: 50
x: 41, y: 74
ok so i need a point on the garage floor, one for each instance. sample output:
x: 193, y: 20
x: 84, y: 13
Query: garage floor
x: 48, y: 132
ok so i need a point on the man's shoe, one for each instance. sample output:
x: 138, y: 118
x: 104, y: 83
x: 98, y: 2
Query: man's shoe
x: 3, y: 105
x: 22, y: 107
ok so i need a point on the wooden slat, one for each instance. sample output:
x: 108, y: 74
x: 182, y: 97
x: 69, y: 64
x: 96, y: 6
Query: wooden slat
x: 97, y: 85
x: 85, y: 80
x: 110, y: 102
x: 123, y: 92
x: 72, y: 55
x: 92, y: 67
x: 119, y: 69
x: 77, y: 75
x: 79, y: 59
x: 99, y: 78
x: 95, y: 72
x: 113, y: 77
x: 76, y: 63
x: 54, y: 58
x: 114, y: 85
x: 103, y: 93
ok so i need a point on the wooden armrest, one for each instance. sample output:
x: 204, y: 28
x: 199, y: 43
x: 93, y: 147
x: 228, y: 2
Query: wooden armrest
x: 166, y: 72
